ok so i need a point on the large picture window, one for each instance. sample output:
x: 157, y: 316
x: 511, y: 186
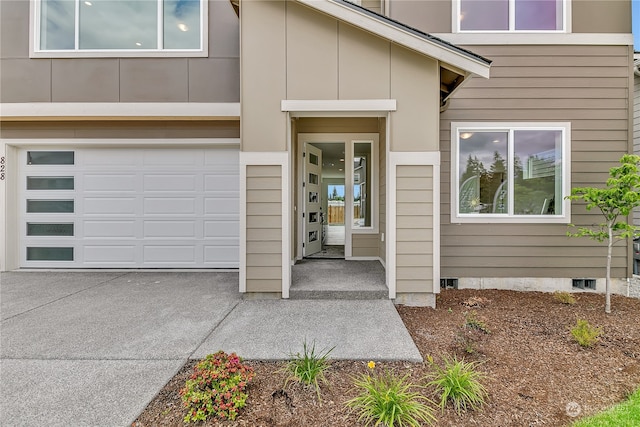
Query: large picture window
x: 512, y: 172
x: 119, y: 25
x: 511, y: 15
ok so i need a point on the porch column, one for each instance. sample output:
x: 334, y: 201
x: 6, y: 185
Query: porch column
x: 264, y: 223
x: 413, y: 261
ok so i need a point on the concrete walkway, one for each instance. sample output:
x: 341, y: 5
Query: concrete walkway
x: 93, y: 349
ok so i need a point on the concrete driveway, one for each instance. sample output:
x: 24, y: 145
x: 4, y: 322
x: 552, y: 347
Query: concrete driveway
x: 93, y: 349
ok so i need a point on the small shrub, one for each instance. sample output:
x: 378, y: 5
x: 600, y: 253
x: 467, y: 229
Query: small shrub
x: 564, y: 297
x: 585, y: 334
x: 216, y: 387
x: 309, y: 367
x: 458, y: 382
x: 471, y: 321
x: 467, y: 342
x: 388, y: 399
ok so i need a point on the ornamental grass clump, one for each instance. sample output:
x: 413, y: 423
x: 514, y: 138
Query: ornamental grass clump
x: 309, y: 367
x: 459, y: 382
x: 564, y: 297
x: 389, y: 400
x: 585, y: 334
x: 217, y: 387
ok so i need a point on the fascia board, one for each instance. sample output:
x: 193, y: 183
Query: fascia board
x: 399, y: 36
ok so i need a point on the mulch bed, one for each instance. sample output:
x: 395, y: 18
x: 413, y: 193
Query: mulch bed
x: 534, y: 367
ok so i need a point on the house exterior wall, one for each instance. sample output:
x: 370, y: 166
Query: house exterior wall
x: 211, y: 79
x: 587, y: 16
x: 542, y: 83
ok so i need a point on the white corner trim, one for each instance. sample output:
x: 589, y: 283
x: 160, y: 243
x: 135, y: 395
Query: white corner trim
x: 278, y: 158
x: 398, y: 35
x: 322, y: 105
x: 84, y: 110
x: 395, y: 159
x: 516, y: 38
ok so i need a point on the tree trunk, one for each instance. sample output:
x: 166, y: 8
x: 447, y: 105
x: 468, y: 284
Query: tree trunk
x: 607, y: 295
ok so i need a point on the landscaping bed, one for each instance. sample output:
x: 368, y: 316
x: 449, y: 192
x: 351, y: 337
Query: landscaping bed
x: 536, y: 372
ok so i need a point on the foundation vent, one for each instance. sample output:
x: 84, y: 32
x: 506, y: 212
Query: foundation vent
x: 448, y: 283
x: 584, y: 284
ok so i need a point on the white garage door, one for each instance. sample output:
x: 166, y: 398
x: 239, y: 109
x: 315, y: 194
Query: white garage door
x: 129, y: 208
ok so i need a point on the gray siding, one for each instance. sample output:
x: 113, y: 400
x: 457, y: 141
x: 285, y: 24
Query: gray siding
x: 264, y: 228
x: 539, y: 83
x: 212, y: 79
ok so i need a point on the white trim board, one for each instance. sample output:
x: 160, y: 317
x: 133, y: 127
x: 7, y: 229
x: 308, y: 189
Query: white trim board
x: 121, y: 110
x: 277, y: 158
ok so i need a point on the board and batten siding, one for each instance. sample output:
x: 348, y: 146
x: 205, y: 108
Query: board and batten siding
x: 414, y: 228
x: 587, y: 86
x: 264, y: 228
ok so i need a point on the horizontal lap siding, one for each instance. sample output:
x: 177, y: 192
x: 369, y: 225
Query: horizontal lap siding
x: 264, y: 228
x: 414, y: 229
x: 584, y: 85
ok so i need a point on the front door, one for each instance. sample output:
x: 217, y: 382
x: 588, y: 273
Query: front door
x: 312, y: 185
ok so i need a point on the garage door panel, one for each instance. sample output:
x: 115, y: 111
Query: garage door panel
x: 107, y: 157
x: 221, y: 254
x: 221, y: 182
x: 171, y: 182
x: 104, y: 182
x: 172, y: 254
x: 221, y: 205
x: 171, y: 158
x: 109, y: 229
x: 110, y: 205
x: 169, y: 206
x: 225, y: 158
x: 109, y: 254
x: 162, y: 229
x: 222, y: 228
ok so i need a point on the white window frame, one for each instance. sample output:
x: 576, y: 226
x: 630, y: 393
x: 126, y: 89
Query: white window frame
x: 460, y: 127
x: 36, y: 52
x: 566, y: 22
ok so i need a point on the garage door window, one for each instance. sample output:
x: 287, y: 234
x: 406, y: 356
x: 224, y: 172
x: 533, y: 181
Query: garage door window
x: 50, y: 206
x: 50, y: 157
x: 47, y: 229
x: 49, y: 254
x: 50, y: 183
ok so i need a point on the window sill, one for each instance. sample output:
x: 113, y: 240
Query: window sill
x: 533, y: 219
x: 120, y: 54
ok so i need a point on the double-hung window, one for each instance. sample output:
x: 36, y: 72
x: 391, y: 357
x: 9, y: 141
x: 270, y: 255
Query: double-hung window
x: 511, y: 15
x: 510, y: 172
x: 108, y: 27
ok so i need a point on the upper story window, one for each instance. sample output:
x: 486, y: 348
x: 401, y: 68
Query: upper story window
x: 104, y: 26
x: 511, y: 15
x: 510, y: 172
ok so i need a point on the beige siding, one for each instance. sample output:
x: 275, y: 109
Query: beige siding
x: 364, y: 245
x: 414, y: 229
x: 312, y: 52
x: 212, y: 79
x: 432, y: 16
x: 264, y: 74
x: 415, y: 84
x: 264, y: 228
x: 544, y: 90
